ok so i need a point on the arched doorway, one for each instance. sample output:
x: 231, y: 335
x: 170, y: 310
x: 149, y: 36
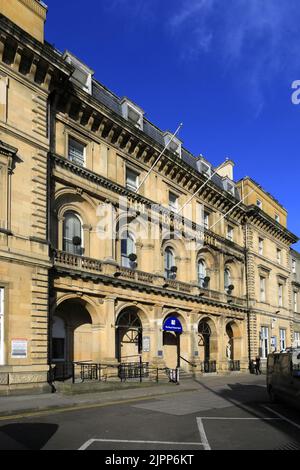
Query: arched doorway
x: 204, y: 335
x: 207, y: 340
x: 230, y: 343
x: 172, y: 341
x: 234, y: 342
x: 129, y: 336
x: 71, y: 333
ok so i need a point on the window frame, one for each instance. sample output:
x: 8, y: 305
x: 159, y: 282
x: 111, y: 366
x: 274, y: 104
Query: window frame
x: 167, y: 269
x: 264, y: 341
x: 73, y: 138
x: 133, y: 171
x: 81, y: 247
x: 125, y: 261
x: 171, y: 207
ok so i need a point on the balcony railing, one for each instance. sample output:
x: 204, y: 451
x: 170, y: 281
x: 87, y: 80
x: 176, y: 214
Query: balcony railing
x: 82, y: 263
x: 77, y: 262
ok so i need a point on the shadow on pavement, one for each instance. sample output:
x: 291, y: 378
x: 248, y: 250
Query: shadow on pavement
x: 28, y: 436
x: 252, y: 399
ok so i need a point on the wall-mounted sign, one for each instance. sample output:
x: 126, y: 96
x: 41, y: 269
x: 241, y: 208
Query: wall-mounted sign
x: 172, y: 324
x: 274, y: 342
x: 19, y: 348
x: 146, y: 343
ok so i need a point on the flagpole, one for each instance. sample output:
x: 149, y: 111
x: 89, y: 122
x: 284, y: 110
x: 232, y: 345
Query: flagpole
x: 159, y: 157
x: 236, y: 205
x: 197, y: 192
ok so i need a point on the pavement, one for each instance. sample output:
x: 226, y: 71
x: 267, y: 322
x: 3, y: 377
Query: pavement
x: 12, y: 405
x: 212, y: 413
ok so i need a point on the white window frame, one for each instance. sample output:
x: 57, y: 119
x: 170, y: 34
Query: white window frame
x: 128, y: 184
x: 297, y: 339
x: 230, y: 233
x: 2, y: 312
x: 294, y: 266
x: 259, y: 203
x: 172, y: 207
x: 280, y: 295
x: 262, y: 289
x: 71, y: 138
x: 295, y: 302
x: 277, y: 218
x: 282, y: 339
x: 206, y: 219
x: 279, y: 256
x: 261, y: 246
x: 264, y: 341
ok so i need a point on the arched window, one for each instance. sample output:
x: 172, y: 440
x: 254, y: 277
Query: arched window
x: 170, y: 267
x: 73, y: 234
x: 227, y: 279
x: 201, y: 273
x: 128, y: 251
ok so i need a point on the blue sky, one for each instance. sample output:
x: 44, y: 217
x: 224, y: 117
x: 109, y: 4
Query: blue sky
x: 222, y: 67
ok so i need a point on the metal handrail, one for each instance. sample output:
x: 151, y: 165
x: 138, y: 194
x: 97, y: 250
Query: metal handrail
x: 188, y: 362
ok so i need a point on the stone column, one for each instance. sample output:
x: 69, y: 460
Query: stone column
x: 108, y: 331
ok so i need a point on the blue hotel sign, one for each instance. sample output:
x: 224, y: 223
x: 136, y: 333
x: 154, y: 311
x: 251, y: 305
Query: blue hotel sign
x: 173, y: 324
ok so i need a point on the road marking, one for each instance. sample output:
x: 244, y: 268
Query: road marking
x: 203, y: 436
x: 202, y: 432
x: 242, y: 419
x: 282, y: 417
x: 123, y: 441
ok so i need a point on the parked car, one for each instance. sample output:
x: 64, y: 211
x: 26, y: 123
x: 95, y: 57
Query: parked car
x: 283, y: 376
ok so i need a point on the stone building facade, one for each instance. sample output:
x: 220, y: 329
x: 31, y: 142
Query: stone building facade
x: 93, y: 259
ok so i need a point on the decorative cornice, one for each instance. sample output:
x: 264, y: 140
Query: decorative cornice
x: 140, y: 287
x: 7, y: 150
x: 37, y: 7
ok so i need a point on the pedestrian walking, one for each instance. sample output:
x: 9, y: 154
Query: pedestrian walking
x: 257, y: 365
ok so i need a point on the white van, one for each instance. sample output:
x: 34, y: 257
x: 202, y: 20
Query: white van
x: 283, y: 376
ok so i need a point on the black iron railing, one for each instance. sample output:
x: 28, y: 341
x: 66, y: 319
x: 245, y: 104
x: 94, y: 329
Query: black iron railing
x: 133, y: 370
x: 234, y: 366
x: 209, y: 367
x: 61, y: 371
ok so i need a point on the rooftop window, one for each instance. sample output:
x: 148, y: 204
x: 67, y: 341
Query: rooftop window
x: 175, y: 145
x: 82, y: 75
x: 132, y: 113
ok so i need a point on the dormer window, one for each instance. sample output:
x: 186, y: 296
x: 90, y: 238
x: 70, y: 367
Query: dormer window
x: 132, y: 113
x: 82, y: 75
x: 205, y: 168
x: 175, y: 145
x: 229, y: 186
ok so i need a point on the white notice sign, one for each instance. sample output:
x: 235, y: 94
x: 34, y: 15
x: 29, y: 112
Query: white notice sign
x: 19, y: 348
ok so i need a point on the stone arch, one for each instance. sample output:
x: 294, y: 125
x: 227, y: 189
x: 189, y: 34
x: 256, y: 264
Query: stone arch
x: 236, y: 276
x: 79, y: 316
x: 68, y: 200
x: 130, y: 321
x: 138, y: 230
x: 207, y: 339
x: 234, y: 341
x: 174, y: 345
x: 87, y: 302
